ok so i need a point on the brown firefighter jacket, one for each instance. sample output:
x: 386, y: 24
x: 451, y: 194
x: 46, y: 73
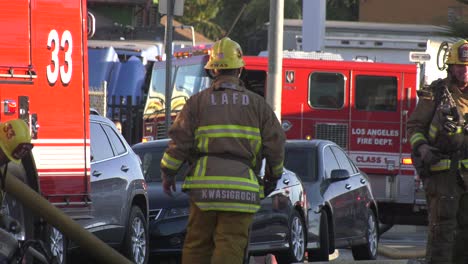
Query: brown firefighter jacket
x: 426, y: 125
x: 224, y: 132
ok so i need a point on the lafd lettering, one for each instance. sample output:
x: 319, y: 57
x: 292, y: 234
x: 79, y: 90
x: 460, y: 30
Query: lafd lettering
x: 229, y: 99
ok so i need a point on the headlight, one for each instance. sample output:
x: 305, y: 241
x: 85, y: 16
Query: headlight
x: 176, y: 212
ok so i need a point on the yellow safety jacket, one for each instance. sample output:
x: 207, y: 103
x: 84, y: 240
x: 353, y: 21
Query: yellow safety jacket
x: 225, y: 131
x: 425, y: 126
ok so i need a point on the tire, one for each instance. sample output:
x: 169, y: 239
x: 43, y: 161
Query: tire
x: 322, y: 253
x: 297, y: 242
x: 368, y: 251
x: 57, y: 244
x: 136, y: 239
x: 13, y: 208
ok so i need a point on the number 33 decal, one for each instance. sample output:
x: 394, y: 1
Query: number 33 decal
x: 53, y: 69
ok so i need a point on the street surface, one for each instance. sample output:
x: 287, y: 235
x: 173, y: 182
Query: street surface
x: 399, y: 245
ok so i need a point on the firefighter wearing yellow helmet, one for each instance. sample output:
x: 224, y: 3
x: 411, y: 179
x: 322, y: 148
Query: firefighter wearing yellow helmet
x: 225, y: 54
x: 438, y: 130
x: 223, y: 132
x: 15, y: 140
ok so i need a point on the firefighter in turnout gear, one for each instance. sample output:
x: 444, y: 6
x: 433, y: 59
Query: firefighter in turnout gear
x: 15, y: 141
x: 438, y: 131
x: 223, y: 133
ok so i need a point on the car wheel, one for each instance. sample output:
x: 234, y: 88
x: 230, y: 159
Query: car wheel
x: 296, y: 241
x: 322, y: 253
x: 136, y: 237
x: 57, y: 245
x: 13, y: 208
x: 368, y: 251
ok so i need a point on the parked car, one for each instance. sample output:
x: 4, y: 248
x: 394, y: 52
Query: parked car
x: 326, y: 203
x: 118, y: 194
x: 278, y: 226
x: 343, y: 212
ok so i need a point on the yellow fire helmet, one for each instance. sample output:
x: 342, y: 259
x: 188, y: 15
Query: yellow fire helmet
x: 458, y: 53
x: 225, y: 54
x: 15, y: 139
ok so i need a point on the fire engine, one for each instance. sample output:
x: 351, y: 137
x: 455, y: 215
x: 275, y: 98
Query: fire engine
x: 44, y: 81
x: 189, y: 77
x: 362, y: 106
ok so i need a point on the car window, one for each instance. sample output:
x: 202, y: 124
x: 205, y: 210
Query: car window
x: 302, y: 161
x: 151, y: 159
x: 100, y: 145
x: 115, y: 139
x: 343, y: 160
x: 329, y: 162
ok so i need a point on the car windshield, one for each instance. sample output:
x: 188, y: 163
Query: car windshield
x: 302, y: 161
x: 151, y: 159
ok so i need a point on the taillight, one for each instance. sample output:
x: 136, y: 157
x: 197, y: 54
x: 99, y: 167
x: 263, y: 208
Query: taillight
x: 147, y: 138
x: 10, y: 107
x: 406, y: 161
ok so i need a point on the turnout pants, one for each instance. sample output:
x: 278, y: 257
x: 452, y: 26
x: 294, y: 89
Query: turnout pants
x: 216, y: 237
x: 448, y: 218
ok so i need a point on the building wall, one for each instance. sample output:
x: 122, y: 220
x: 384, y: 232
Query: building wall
x: 431, y: 12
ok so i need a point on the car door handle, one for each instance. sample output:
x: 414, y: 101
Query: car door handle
x: 348, y: 186
x: 124, y: 168
x: 97, y: 173
x: 286, y: 181
x: 363, y: 181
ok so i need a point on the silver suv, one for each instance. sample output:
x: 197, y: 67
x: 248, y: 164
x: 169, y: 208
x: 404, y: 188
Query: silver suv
x: 118, y: 192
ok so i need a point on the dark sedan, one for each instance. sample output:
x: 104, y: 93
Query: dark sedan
x: 278, y: 227
x: 325, y: 204
x: 342, y: 209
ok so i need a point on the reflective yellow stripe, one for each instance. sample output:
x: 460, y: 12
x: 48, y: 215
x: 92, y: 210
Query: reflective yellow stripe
x: 278, y: 169
x: 441, y: 165
x: 465, y: 163
x: 228, y: 131
x: 202, y: 146
x: 433, y: 131
x: 221, y: 182
x: 457, y: 132
x: 255, y: 144
x: 261, y: 192
x: 231, y: 207
x: 169, y: 162
x: 417, y: 137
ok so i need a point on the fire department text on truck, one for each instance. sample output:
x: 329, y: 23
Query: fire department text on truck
x: 368, y: 136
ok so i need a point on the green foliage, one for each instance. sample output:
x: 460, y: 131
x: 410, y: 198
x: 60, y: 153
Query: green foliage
x: 254, y: 16
x: 214, y: 18
x: 459, y: 29
x: 344, y: 10
x: 201, y: 15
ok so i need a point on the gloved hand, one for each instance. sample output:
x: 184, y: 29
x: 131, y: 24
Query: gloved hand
x: 429, y: 154
x: 168, y: 183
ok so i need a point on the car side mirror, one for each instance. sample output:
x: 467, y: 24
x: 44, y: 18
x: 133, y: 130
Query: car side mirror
x: 339, y: 175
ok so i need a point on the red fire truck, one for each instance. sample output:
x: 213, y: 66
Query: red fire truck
x: 44, y: 81
x: 362, y: 106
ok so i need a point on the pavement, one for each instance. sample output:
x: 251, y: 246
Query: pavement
x: 399, y: 245
x: 403, y: 242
